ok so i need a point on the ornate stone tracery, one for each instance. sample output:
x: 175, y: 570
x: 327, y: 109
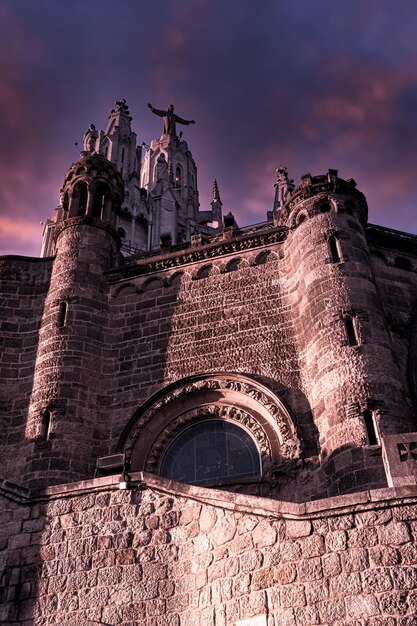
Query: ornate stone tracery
x: 233, y: 397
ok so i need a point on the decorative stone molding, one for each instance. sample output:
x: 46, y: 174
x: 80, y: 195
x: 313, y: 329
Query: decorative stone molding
x: 209, y: 411
x: 183, y: 257
x: 226, y: 396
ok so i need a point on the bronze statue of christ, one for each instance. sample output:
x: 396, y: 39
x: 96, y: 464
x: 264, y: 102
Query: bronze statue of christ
x: 170, y: 119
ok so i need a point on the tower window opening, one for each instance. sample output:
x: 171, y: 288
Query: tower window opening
x: 123, y: 155
x: 351, y: 331
x: 368, y: 417
x: 82, y: 193
x: 62, y: 316
x: 334, y: 247
x: 325, y: 206
x: 65, y: 203
x: 98, y: 202
x: 45, y: 429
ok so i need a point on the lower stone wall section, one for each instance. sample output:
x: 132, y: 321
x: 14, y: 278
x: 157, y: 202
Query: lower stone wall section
x: 156, y: 553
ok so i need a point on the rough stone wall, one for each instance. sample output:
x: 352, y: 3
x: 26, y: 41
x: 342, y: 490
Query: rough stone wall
x: 24, y: 284
x: 68, y: 379
x: 397, y: 291
x: 176, y: 324
x: 273, y: 312
x: 161, y: 553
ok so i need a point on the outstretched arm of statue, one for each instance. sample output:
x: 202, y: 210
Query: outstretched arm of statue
x: 180, y: 120
x: 157, y: 111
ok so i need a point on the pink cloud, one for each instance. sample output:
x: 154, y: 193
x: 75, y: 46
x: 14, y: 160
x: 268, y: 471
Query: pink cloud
x: 19, y: 229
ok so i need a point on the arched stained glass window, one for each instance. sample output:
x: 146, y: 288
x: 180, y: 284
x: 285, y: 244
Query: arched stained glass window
x: 211, y: 452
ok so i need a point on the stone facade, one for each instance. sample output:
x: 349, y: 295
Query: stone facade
x: 292, y: 343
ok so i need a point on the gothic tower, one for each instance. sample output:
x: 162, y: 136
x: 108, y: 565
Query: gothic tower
x: 348, y: 367
x: 68, y: 386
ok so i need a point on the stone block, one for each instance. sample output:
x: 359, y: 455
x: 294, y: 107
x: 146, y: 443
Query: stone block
x: 331, y: 565
x: 394, y: 533
x: 355, y: 560
x: 309, y: 569
x: 264, y: 535
x: 223, y: 531
x: 376, y: 580
x: 336, y: 541
x: 297, y: 528
x: 362, y: 606
x: 292, y: 596
x: 285, y: 573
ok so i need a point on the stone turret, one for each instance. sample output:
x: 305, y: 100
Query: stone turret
x: 349, y: 373
x: 68, y: 385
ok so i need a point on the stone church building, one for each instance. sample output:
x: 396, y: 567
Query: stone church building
x: 201, y: 424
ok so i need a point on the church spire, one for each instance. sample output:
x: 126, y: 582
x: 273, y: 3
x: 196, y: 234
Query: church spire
x: 216, y: 193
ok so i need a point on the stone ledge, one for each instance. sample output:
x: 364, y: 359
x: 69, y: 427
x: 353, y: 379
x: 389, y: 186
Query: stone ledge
x: 266, y: 507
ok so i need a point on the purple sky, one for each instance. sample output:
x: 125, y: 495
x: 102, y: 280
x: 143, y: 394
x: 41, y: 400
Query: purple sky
x: 312, y: 85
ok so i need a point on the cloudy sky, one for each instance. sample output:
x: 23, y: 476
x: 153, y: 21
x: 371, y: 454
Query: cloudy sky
x: 310, y: 84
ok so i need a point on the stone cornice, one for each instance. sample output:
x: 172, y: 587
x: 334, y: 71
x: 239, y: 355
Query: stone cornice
x: 390, y: 239
x: 240, y: 243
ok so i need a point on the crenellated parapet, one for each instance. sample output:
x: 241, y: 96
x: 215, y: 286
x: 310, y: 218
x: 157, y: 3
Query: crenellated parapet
x: 320, y: 194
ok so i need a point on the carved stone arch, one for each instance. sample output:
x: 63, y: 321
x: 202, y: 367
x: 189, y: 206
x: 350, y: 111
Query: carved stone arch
x: 301, y: 217
x: 153, y: 282
x: 176, y: 278
x: 205, y: 271
x: 266, y: 256
x: 125, y: 289
x: 233, y: 264
x: 230, y: 396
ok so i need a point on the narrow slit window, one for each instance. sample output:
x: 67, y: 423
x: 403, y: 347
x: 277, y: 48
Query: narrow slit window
x: 351, y: 331
x: 334, y: 247
x: 62, y: 317
x: 45, y: 430
x: 178, y: 177
x: 371, y: 431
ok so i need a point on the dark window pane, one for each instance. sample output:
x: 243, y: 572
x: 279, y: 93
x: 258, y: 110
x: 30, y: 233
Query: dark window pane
x: 209, y: 452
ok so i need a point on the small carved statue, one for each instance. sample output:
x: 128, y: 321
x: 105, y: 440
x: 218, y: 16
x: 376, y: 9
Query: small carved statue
x: 90, y: 138
x: 170, y: 119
